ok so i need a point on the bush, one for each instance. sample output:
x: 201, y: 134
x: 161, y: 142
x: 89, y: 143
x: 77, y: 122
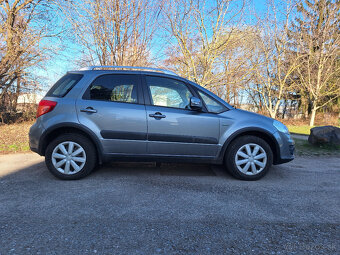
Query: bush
x: 26, y: 113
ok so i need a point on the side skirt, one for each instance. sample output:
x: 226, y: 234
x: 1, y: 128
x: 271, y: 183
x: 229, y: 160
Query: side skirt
x: 158, y: 158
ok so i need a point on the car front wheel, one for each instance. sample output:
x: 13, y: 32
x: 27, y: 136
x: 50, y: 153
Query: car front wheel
x: 70, y: 156
x: 249, y: 158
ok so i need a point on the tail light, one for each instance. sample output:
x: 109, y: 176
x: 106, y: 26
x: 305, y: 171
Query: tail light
x: 45, y: 106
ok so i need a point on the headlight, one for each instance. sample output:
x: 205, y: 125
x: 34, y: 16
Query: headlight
x: 279, y: 126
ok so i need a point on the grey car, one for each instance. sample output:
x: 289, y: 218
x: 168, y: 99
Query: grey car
x: 104, y: 113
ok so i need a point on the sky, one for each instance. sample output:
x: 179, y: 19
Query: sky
x: 63, y: 61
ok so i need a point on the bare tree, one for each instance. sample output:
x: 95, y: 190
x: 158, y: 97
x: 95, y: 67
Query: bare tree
x: 21, y: 34
x: 273, y: 60
x: 235, y: 69
x: 113, y: 32
x: 316, y: 39
x: 202, y: 31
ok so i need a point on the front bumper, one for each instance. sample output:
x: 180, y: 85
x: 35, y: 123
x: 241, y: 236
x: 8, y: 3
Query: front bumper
x: 286, y: 148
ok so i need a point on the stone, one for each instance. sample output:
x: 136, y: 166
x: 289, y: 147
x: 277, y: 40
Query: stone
x: 324, y: 135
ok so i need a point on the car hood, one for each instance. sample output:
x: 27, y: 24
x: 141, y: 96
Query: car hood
x: 244, y: 119
x: 252, y: 115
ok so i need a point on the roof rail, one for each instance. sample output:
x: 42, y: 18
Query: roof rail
x: 129, y: 68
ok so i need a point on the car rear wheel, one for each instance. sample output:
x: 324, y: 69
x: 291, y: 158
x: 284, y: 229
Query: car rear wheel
x: 249, y: 158
x: 70, y: 156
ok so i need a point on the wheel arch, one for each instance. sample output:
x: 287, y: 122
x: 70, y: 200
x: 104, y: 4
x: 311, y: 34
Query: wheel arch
x: 51, y: 133
x: 259, y: 132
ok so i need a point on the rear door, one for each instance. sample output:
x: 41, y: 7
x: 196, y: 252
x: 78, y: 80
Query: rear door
x: 113, y: 107
x: 173, y: 128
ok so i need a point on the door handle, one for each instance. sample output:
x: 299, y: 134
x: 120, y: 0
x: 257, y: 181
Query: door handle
x: 157, y: 115
x: 89, y: 110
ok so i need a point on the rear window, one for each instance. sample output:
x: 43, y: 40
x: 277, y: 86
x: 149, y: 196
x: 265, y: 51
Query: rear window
x: 64, y: 85
x: 114, y: 88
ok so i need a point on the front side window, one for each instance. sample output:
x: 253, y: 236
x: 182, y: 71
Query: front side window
x: 211, y: 104
x: 114, y: 88
x: 168, y: 92
x: 64, y: 85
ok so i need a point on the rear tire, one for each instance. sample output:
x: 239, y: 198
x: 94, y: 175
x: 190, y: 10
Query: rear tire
x: 70, y: 156
x: 248, y: 158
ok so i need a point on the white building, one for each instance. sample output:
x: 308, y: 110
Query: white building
x: 29, y: 98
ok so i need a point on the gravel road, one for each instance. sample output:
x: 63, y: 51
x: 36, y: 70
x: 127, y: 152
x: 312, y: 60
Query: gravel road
x: 173, y: 209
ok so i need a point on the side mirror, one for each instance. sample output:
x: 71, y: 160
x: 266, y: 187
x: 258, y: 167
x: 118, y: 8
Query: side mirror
x: 195, y: 104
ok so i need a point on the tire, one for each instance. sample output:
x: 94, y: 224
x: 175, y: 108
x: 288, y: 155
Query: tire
x: 241, y: 165
x: 84, y: 160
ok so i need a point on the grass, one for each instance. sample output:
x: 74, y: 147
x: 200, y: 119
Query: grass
x: 303, y: 148
x: 304, y: 129
x: 14, y: 138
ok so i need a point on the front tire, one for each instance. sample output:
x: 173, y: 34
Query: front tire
x: 70, y: 156
x: 248, y: 158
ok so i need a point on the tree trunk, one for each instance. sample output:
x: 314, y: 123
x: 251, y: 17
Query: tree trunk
x: 312, y: 117
x: 17, y: 93
x: 272, y: 113
x: 306, y: 112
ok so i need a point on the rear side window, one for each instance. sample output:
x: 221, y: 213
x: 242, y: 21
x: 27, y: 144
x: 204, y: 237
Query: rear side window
x: 64, y: 85
x: 211, y: 104
x: 114, y: 88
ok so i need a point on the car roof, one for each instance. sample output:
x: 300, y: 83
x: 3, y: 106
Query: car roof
x: 154, y: 73
x: 139, y: 68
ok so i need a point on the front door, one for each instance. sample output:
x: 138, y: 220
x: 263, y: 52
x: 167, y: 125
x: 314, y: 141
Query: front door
x: 113, y: 108
x: 175, y: 129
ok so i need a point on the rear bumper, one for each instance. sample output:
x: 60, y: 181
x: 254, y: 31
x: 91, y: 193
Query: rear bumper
x: 35, y: 133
